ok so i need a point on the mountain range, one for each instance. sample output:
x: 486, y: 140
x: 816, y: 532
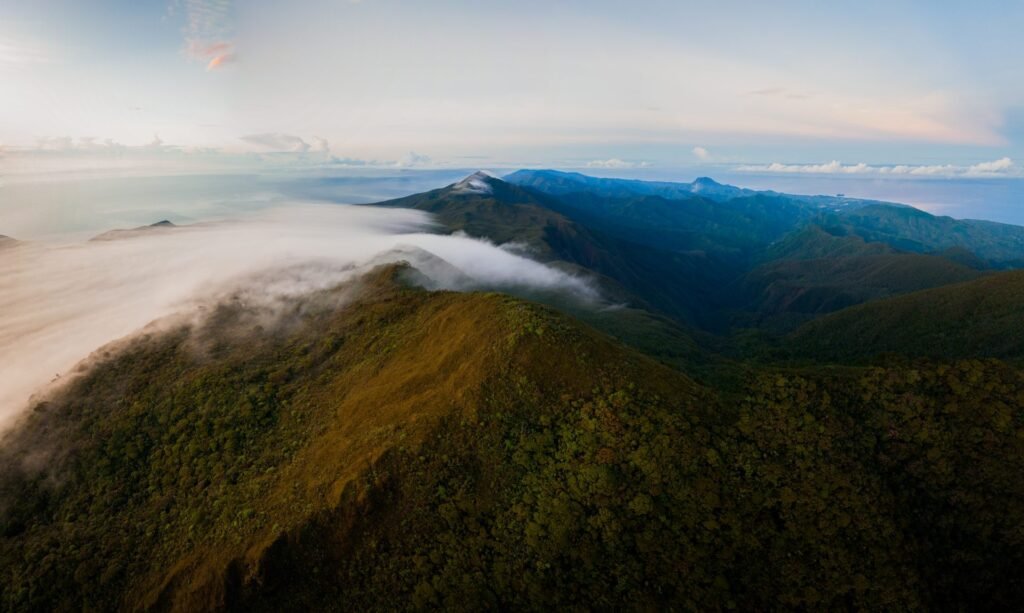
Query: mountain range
x: 714, y: 258
x: 778, y: 402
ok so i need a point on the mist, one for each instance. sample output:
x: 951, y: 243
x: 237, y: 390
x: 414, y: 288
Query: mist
x: 60, y: 302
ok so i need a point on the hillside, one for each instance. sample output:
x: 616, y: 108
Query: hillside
x: 764, y: 214
x: 814, y: 242
x: 703, y: 215
x: 677, y: 284
x: 321, y: 462
x: 977, y: 318
x: 813, y: 272
x: 911, y: 229
x: 710, y: 256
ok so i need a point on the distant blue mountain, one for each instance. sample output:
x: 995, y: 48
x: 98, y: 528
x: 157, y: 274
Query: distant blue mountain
x: 560, y: 183
x: 746, y: 220
x: 711, y: 255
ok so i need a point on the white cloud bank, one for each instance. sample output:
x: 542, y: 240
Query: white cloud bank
x: 997, y: 168
x: 277, y: 142
x: 61, y: 302
x: 701, y: 153
x: 616, y: 163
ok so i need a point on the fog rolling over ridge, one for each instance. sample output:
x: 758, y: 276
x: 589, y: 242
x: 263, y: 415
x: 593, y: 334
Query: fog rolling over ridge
x: 63, y: 301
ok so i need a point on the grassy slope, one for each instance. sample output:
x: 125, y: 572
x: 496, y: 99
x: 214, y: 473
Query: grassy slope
x: 984, y: 317
x: 468, y: 451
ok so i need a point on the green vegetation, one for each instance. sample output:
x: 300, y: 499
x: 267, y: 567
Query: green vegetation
x: 911, y: 229
x: 981, y: 318
x: 813, y: 272
x: 419, y: 449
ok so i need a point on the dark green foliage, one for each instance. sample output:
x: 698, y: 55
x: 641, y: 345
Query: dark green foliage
x: 813, y: 272
x: 911, y: 229
x: 886, y: 489
x: 984, y: 317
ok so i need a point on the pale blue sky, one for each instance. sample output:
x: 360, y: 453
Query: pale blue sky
x: 932, y: 85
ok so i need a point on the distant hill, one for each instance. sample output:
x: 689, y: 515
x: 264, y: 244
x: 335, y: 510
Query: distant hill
x: 984, y: 317
x: 814, y: 242
x: 6, y: 241
x: 132, y: 232
x: 703, y: 215
x: 710, y: 255
x: 438, y: 450
x: 774, y: 214
x: 562, y: 183
x: 813, y: 272
x: 672, y: 283
x: 911, y: 229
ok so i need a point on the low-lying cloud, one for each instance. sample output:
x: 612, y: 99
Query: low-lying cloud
x: 60, y: 302
x: 996, y: 168
x: 615, y: 163
x: 274, y: 141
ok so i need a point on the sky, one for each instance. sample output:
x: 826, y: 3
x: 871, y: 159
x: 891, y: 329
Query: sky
x: 904, y: 89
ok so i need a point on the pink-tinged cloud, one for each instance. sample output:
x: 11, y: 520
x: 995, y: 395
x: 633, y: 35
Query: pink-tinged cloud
x: 220, y: 60
x: 201, y: 50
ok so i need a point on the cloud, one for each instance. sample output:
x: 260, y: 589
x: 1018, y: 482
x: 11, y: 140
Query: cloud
x: 278, y: 142
x: 995, y: 167
x: 701, y: 153
x: 320, y: 145
x: 15, y: 52
x: 92, y: 146
x: 925, y: 170
x: 209, y: 32
x: 82, y: 144
x: 1000, y: 167
x: 202, y: 50
x: 833, y: 167
x: 780, y: 92
x: 616, y: 163
x: 220, y: 60
x: 355, y: 162
x: 767, y: 91
x: 63, y: 301
x: 415, y: 159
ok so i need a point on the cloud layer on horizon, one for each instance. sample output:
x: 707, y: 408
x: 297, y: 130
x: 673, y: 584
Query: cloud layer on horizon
x: 1003, y: 167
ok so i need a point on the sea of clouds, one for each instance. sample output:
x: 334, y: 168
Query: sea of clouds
x: 60, y: 301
